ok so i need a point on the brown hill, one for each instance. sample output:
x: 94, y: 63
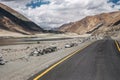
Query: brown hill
x: 97, y: 24
x: 12, y: 21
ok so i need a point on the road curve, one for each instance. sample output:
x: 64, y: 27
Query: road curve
x: 99, y: 61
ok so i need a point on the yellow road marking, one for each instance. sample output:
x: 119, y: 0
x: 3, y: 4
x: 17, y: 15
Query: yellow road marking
x: 117, y: 44
x: 53, y: 66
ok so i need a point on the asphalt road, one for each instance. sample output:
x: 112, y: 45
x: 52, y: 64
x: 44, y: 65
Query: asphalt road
x: 99, y: 61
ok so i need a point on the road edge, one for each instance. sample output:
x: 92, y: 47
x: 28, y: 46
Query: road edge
x: 60, y: 61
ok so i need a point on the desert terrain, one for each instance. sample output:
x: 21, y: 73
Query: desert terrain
x: 19, y: 65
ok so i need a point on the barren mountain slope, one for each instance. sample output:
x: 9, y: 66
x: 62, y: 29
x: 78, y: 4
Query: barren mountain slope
x: 93, y: 24
x: 12, y: 21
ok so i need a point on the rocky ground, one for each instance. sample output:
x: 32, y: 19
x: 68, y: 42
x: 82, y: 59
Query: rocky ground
x: 14, y: 52
x: 20, y: 66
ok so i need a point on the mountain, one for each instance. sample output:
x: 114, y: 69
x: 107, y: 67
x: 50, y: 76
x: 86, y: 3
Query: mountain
x: 12, y: 21
x: 97, y: 24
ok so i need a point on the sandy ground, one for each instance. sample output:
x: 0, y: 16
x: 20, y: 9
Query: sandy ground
x: 13, y: 52
x: 7, y: 34
x: 21, y: 66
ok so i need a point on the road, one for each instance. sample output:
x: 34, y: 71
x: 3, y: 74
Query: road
x: 99, y: 61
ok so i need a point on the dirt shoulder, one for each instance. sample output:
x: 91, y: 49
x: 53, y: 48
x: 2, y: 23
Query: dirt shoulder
x: 21, y: 66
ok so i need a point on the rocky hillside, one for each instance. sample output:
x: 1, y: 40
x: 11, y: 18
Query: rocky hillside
x: 12, y: 21
x: 102, y: 23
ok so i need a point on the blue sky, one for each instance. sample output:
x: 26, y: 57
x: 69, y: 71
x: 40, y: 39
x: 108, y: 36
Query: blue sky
x: 38, y: 3
x: 54, y: 13
x: 114, y: 1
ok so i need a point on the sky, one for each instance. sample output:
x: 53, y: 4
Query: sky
x: 54, y: 13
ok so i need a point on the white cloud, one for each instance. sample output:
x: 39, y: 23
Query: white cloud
x: 59, y: 12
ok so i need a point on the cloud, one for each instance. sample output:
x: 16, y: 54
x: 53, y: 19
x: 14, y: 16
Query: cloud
x: 14, y: 0
x: 9, y: 0
x: 58, y: 12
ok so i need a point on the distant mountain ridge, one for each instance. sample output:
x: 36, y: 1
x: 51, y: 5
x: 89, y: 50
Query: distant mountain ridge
x: 101, y: 23
x: 11, y: 20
